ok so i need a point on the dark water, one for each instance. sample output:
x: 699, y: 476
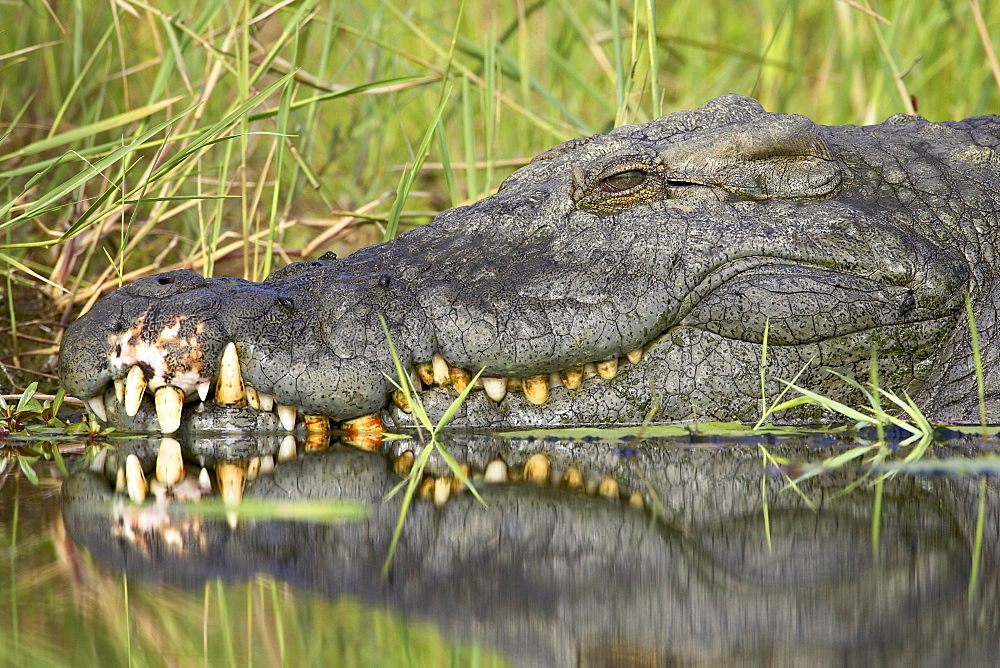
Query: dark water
x: 682, y: 550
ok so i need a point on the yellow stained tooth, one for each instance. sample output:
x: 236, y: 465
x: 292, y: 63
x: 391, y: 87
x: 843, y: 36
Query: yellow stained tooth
x: 266, y: 401
x: 573, y: 478
x: 460, y: 378
x: 231, y: 478
x: 169, y: 404
x: 96, y: 404
x: 425, y: 370
x: 635, y: 500
x: 608, y: 488
x: 317, y: 424
x: 120, y: 484
x: 572, y: 378
x: 495, y: 388
x: 203, y: 389
x: 442, y: 490
x: 135, y: 479
x: 364, y: 424
x: 135, y: 385
x: 589, y: 370
x: 426, y: 489
x: 442, y: 372
x: 536, y: 388
x: 286, y: 414
x: 229, y: 389
x: 457, y: 486
x: 537, y: 468
x: 120, y: 390
x: 288, y: 450
x: 404, y: 464
x: 607, y: 370
x: 496, y: 471
x: 253, y: 398
x: 169, y: 463
x: 635, y: 356
x: 399, y: 399
x: 253, y: 468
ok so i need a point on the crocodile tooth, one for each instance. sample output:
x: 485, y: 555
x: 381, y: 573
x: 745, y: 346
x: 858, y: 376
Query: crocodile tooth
x: 426, y: 488
x: 96, y: 404
x: 253, y: 468
x: 169, y: 403
x: 514, y: 384
x: 120, y: 390
x: 231, y: 477
x: 442, y: 490
x: 253, y: 398
x: 404, y: 464
x: 425, y: 370
x: 442, y: 372
x: 204, y: 480
x: 555, y: 379
x: 608, y: 488
x: 416, y: 382
x: 537, y: 468
x: 267, y: 464
x: 286, y: 414
x: 589, y: 370
x: 317, y: 424
x: 288, y: 450
x: 135, y: 479
x: 399, y: 399
x: 97, y: 463
x: 608, y: 369
x: 536, y: 388
x: 573, y: 478
x: 635, y: 356
x: 229, y: 390
x: 495, y: 388
x: 266, y: 401
x: 120, y: 486
x: 460, y: 378
x: 204, y: 387
x: 457, y: 486
x: 496, y: 471
x: 169, y: 463
x: 370, y: 423
x: 635, y: 500
x: 135, y: 385
x: 572, y: 378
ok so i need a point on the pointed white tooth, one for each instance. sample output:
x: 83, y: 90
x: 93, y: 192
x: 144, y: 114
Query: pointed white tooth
x: 608, y: 369
x: 536, y: 388
x: 442, y: 490
x: 495, y: 388
x: 169, y: 463
x: 97, y: 463
x: 589, y: 370
x: 229, y: 390
x: 253, y: 398
x: 288, y: 449
x: 169, y: 404
x: 204, y: 480
x: 135, y: 385
x: 287, y: 416
x: 442, y: 372
x: 96, y: 404
x: 203, y: 389
x: 266, y: 401
x: 120, y: 390
x: 537, y: 468
x: 120, y: 485
x: 496, y: 471
x: 135, y: 479
x: 635, y: 356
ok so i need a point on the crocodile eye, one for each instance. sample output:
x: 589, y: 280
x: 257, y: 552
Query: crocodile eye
x: 623, y: 181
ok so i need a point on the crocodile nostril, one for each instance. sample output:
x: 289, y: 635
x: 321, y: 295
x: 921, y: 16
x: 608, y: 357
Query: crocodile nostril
x: 165, y: 280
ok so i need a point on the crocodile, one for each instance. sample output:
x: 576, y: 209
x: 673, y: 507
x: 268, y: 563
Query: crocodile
x: 635, y: 275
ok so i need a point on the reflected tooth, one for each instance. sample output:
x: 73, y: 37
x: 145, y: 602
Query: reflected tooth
x: 120, y: 486
x: 169, y: 463
x: 169, y: 403
x: 229, y: 389
x: 203, y: 389
x: 495, y: 388
x: 96, y: 404
x: 317, y: 424
x: 426, y: 489
x: 425, y: 370
x: 442, y: 372
x: 635, y: 356
x: 589, y: 370
x: 253, y: 398
x: 572, y: 378
x: 608, y: 488
x: 135, y: 479
x: 135, y: 385
x: 97, y: 463
x: 120, y: 390
x: 266, y: 401
x: 404, y: 464
x: 496, y: 471
x: 442, y: 490
x: 537, y: 468
x: 253, y: 468
x: 204, y: 480
x: 635, y: 500
x: 573, y: 478
x: 536, y: 388
x: 231, y: 477
x: 460, y: 378
x: 399, y: 399
x: 286, y: 414
x: 457, y: 486
x: 607, y: 370
x: 317, y: 442
x: 287, y: 451
x: 267, y: 464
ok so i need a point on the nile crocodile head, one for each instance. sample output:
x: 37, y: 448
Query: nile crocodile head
x: 629, y: 275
